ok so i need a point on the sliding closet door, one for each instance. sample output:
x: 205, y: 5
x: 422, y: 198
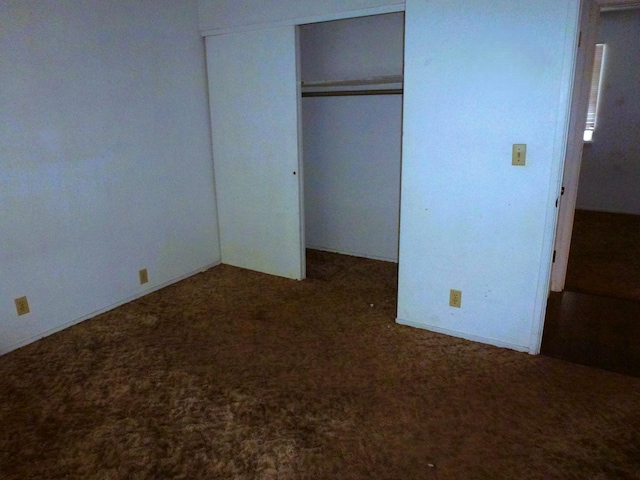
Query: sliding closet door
x: 253, y: 91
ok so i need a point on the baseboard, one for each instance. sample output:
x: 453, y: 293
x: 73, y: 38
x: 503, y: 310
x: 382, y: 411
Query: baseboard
x: 66, y: 325
x: 352, y: 254
x: 466, y: 336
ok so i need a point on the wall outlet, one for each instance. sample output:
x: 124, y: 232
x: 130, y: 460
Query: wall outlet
x: 455, y: 298
x: 144, y: 276
x: 22, y: 306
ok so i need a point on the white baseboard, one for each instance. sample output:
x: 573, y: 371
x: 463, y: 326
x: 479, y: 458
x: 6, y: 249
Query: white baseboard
x: 466, y: 336
x: 352, y: 254
x: 59, y: 328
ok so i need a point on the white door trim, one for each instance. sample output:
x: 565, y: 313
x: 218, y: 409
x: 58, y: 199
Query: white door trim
x: 575, y: 143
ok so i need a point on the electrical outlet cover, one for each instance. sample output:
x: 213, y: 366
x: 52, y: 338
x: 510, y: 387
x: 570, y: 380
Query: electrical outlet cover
x: 455, y: 298
x: 22, y: 306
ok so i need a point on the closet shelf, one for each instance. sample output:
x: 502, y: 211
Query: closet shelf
x: 392, y: 84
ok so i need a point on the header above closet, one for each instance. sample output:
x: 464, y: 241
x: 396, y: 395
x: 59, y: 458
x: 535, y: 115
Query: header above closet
x: 356, y: 56
x: 217, y: 17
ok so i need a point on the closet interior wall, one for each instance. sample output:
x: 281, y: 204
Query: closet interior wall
x: 351, y: 72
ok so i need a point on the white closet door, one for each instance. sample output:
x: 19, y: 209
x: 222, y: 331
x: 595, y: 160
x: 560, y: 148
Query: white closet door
x: 254, y: 98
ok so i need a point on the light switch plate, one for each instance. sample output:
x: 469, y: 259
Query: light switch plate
x: 144, y: 276
x: 519, y: 154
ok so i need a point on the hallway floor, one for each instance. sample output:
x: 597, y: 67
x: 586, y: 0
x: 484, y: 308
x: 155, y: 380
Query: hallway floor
x: 596, y: 320
x: 597, y: 331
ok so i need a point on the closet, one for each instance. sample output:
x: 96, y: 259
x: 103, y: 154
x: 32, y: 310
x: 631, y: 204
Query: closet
x: 351, y: 86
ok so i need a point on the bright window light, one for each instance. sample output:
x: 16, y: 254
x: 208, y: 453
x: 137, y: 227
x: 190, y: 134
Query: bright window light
x: 588, y: 135
x: 594, y: 93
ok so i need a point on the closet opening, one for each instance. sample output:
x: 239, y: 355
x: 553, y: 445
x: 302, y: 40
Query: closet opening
x: 351, y: 77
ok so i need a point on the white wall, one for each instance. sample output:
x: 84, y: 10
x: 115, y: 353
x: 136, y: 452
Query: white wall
x: 105, y: 159
x: 352, y: 174
x: 356, y: 48
x: 479, y: 77
x: 610, y: 172
x: 242, y: 14
x: 352, y: 143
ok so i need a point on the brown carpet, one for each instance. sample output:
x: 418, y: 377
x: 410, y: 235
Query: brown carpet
x: 605, y: 255
x: 233, y: 374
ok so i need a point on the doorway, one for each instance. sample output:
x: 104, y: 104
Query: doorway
x: 592, y: 318
x: 351, y: 120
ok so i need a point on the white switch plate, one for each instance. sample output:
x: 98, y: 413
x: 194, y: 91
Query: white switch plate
x: 519, y: 155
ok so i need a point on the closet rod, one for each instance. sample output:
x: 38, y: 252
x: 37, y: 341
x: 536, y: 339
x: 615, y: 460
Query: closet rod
x: 349, y: 93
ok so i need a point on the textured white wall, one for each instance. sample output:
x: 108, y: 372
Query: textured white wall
x: 610, y: 171
x: 105, y: 159
x: 352, y: 174
x: 356, y: 48
x: 479, y: 77
x: 242, y: 14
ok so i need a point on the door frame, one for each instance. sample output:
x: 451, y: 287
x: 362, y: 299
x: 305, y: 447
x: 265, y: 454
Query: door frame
x: 590, y: 12
x: 572, y: 132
